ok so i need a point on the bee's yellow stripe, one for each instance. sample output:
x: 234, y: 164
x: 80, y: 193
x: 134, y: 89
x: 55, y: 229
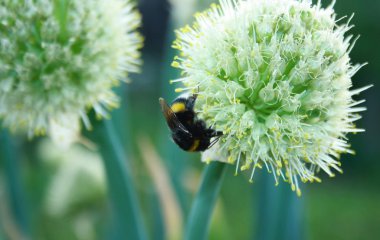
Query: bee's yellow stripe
x: 178, y: 107
x: 194, y: 146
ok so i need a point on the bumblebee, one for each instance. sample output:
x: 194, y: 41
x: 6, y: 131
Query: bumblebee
x: 187, y: 131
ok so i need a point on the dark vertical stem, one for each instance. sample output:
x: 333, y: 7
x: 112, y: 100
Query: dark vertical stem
x: 123, y: 197
x: 174, y: 157
x: 201, y: 211
x: 14, y: 186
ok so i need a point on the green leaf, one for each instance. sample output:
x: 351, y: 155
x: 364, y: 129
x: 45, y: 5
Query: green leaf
x: 121, y: 191
x: 200, y: 214
x: 15, y: 189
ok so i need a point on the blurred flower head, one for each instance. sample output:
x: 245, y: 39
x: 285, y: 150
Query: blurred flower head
x: 58, y: 59
x: 275, y: 77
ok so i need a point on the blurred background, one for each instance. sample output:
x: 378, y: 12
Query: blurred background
x: 63, y: 193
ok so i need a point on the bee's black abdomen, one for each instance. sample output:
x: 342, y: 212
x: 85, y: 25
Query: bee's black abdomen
x: 183, y: 140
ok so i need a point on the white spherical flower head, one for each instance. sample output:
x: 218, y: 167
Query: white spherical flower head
x: 274, y: 76
x: 61, y: 58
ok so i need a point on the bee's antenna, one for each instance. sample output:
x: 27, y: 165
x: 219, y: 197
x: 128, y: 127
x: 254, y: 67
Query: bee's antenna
x: 195, y: 95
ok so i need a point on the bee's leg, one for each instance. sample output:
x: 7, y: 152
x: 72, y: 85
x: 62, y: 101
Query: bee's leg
x: 210, y: 133
x: 190, y: 102
x: 218, y: 133
x: 195, y: 95
x: 214, y: 141
x: 213, y: 133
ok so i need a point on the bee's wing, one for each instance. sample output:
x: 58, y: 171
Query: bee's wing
x: 171, y: 118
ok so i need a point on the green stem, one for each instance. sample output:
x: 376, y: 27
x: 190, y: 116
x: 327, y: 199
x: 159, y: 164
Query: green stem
x: 203, y: 206
x: 16, y: 193
x: 280, y: 212
x: 158, y: 224
x: 123, y: 196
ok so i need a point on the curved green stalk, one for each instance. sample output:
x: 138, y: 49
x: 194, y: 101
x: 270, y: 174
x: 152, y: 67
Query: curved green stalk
x: 203, y: 206
x: 16, y: 194
x: 123, y: 196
